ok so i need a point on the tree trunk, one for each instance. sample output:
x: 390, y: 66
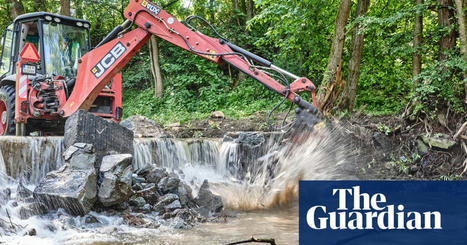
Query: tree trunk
x: 446, y: 19
x: 461, y: 14
x: 16, y: 7
x: 65, y: 7
x: 243, y: 6
x: 250, y: 10
x: 235, y: 11
x: 350, y: 90
x: 39, y: 5
x: 331, y: 84
x: 155, y: 67
x: 417, y: 42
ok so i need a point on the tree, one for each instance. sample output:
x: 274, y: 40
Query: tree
x: 446, y: 19
x: 250, y: 9
x: 155, y: 66
x: 417, y: 42
x: 350, y: 90
x: 461, y: 14
x: 65, y: 7
x: 16, y: 7
x: 332, y: 81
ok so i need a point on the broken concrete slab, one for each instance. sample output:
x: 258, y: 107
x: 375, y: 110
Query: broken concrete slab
x: 80, y: 156
x: 106, y: 136
x: 74, y: 190
x: 115, y: 179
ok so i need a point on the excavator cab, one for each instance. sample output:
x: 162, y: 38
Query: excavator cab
x: 59, y: 42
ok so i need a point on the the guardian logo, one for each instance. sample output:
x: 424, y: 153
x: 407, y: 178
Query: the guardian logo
x: 369, y: 212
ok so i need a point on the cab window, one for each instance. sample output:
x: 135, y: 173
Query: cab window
x: 7, y: 48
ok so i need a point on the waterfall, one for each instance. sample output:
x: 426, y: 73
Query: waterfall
x: 30, y: 158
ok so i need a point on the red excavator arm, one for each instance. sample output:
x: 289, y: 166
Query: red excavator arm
x: 96, y: 68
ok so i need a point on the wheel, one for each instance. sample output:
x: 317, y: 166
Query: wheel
x: 7, y: 110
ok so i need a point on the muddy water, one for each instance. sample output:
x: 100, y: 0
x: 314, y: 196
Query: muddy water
x: 264, y: 202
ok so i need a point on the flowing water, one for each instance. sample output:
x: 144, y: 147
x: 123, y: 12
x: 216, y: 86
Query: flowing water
x: 263, y: 200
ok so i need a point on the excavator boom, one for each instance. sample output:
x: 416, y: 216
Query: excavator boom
x: 97, y: 67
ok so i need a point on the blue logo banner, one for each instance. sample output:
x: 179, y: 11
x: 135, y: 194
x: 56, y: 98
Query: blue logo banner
x: 383, y: 212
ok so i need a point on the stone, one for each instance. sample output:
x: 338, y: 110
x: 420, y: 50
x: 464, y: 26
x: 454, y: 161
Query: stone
x: 143, y: 127
x: 150, y: 194
x: 137, y: 179
x: 184, y: 193
x: 80, y: 156
x: 179, y: 223
x: 106, y: 136
x: 90, y: 219
x: 440, y: 141
x: 217, y: 115
x: 146, y: 208
x: 422, y: 148
x: 137, y: 201
x: 155, y: 175
x: 206, y: 199
x: 188, y: 215
x: 71, y: 189
x: 137, y: 187
x: 32, y: 232
x: 115, y: 179
x: 164, y: 201
x: 168, y: 184
x: 173, y: 205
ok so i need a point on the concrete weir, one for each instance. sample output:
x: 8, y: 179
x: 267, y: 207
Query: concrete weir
x: 30, y: 158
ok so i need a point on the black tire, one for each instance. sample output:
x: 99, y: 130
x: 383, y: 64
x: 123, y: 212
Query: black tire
x: 7, y: 96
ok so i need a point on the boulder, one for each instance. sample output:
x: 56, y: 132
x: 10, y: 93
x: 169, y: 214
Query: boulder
x: 383, y: 142
x: 207, y: 200
x: 22, y: 192
x: 30, y: 209
x: 106, y: 136
x: 115, y: 179
x: 184, y: 193
x: 168, y: 184
x: 173, y: 206
x: 143, y: 127
x: 440, y: 141
x: 74, y: 190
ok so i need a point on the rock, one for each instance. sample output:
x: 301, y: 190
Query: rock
x: 146, y: 208
x: 80, y: 156
x: 90, y: 219
x: 206, y: 199
x: 32, y: 232
x: 217, y: 115
x: 251, y: 139
x: 22, y: 191
x: 115, y: 179
x: 173, y: 205
x: 31, y: 209
x: 184, y: 193
x: 441, y: 141
x: 155, y: 175
x: 143, y: 127
x: 164, y: 201
x: 150, y: 194
x: 106, y: 136
x: 422, y: 148
x: 168, y: 184
x: 137, y: 201
x: 137, y: 187
x: 71, y: 189
x: 137, y: 179
x: 5, y: 195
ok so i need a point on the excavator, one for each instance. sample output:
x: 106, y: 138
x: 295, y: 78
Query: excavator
x: 49, y: 70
